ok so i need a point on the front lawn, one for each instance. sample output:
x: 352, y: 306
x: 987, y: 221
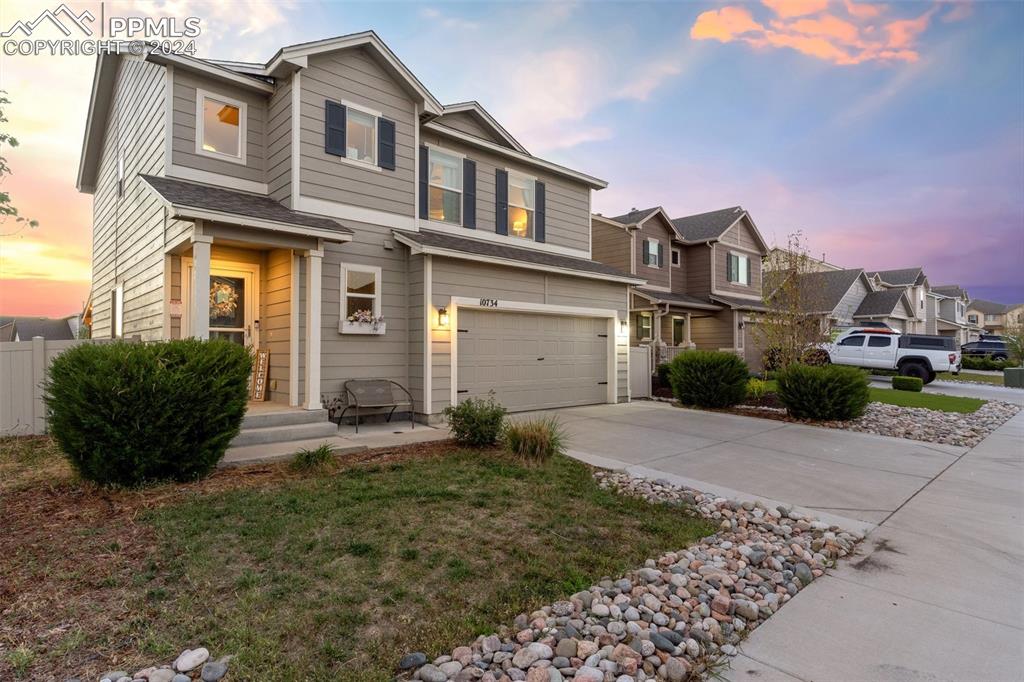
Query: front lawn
x: 970, y: 377
x: 932, y: 401
x: 326, y: 575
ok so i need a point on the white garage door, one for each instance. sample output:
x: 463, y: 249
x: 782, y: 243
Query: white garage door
x: 532, y: 361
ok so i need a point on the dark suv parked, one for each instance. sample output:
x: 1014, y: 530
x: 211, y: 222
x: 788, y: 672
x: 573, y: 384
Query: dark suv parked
x: 986, y: 348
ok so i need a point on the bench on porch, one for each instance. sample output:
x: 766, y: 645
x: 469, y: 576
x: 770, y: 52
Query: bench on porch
x: 376, y: 393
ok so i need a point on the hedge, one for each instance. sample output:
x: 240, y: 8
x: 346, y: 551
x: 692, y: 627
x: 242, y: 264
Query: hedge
x: 708, y: 378
x: 831, y: 392
x: 907, y: 384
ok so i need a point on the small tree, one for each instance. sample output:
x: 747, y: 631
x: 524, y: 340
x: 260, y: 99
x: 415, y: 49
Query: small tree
x: 794, y: 322
x: 1014, y: 338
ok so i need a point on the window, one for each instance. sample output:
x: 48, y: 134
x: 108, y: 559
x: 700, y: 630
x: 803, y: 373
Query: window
x: 445, y: 195
x: 361, y: 136
x: 879, y: 341
x: 852, y: 341
x: 652, y: 255
x: 361, y: 290
x: 220, y: 127
x: 644, y: 325
x: 737, y: 269
x: 991, y: 318
x: 117, y: 312
x: 678, y: 330
x: 522, y: 204
x: 973, y: 319
x: 676, y: 258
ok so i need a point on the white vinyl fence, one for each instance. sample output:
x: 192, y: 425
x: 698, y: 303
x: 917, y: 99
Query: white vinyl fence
x: 23, y: 367
x: 640, y: 370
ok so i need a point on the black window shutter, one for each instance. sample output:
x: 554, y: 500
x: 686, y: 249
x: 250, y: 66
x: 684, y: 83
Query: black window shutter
x: 386, y: 144
x: 661, y: 255
x: 334, y: 128
x: 647, y: 253
x: 501, y: 201
x: 540, y: 214
x: 424, y: 179
x: 748, y: 272
x: 469, y: 193
x: 728, y: 267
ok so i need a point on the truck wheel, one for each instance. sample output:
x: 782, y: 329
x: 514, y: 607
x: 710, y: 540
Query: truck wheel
x: 931, y: 377
x: 915, y: 369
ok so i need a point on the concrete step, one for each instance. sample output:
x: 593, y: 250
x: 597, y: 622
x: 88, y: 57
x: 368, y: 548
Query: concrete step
x: 285, y: 433
x: 284, y: 417
x: 270, y: 452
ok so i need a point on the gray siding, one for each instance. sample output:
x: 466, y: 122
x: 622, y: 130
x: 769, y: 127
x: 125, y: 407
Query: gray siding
x: 723, y: 286
x: 654, y: 228
x: 353, y: 76
x: 713, y: 332
x: 567, y: 204
x: 849, y: 303
x: 279, y: 142
x: 128, y: 230
x: 696, y: 279
x: 611, y: 245
x: 184, y: 144
x: 467, y: 123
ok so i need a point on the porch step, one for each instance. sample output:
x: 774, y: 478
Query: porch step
x: 270, y: 452
x: 285, y: 433
x: 283, y: 417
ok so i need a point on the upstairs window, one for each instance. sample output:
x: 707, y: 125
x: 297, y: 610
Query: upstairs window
x: 737, y: 269
x: 676, y: 258
x: 361, y: 136
x: 652, y: 253
x: 522, y: 204
x: 445, y: 195
x: 220, y: 123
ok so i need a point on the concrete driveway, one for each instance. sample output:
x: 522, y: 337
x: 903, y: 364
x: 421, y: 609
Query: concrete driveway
x: 932, y: 594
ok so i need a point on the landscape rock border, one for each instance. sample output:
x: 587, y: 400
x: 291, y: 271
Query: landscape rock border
x: 189, y: 665
x: 678, y: 617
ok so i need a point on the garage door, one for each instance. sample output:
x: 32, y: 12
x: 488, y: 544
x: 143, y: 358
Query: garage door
x: 532, y: 361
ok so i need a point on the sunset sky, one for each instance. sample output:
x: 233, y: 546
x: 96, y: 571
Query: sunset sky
x: 891, y: 134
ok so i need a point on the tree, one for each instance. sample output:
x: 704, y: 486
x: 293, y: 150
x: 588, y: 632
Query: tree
x: 1013, y: 336
x: 7, y: 209
x: 794, y: 322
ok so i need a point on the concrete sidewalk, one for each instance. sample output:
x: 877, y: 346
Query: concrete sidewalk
x: 934, y: 595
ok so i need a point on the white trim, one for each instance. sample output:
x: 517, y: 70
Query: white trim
x: 746, y: 258
x: 484, y: 235
x: 296, y: 142
x: 641, y: 314
x: 377, y: 286
x: 294, y: 295
x: 533, y: 161
x: 243, y: 133
x: 314, y: 324
x: 188, y: 212
x: 168, y: 115
x: 210, y: 69
x: 428, y: 346
x: 590, y: 224
x: 166, y: 332
x: 477, y: 108
x: 416, y: 166
x: 459, y: 159
x: 335, y: 209
x: 218, y: 179
x: 456, y: 302
x: 657, y: 243
x: 117, y: 313
x: 462, y: 255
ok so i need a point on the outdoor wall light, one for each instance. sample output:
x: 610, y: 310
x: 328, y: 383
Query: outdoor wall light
x: 442, y: 317
x: 623, y: 327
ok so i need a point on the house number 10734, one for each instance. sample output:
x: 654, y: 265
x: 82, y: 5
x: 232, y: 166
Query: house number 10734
x: 488, y: 302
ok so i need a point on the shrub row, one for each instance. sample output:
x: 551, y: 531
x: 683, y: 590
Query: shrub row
x: 901, y: 383
x: 975, y: 362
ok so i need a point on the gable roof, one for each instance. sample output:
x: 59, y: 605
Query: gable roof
x: 476, y: 110
x: 950, y: 290
x: 882, y: 303
x: 831, y: 286
x: 990, y: 307
x: 904, y: 277
x: 26, y: 328
x: 705, y: 227
x: 636, y: 215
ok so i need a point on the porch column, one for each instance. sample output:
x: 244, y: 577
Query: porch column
x: 314, y: 284
x: 688, y: 340
x: 200, y: 322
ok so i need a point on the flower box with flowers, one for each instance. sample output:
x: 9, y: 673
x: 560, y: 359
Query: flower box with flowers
x: 362, y: 322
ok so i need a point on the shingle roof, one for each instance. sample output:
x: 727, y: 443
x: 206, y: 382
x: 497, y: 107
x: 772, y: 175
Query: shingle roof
x: 679, y: 299
x: 704, y: 227
x: 7, y: 331
x: 243, y: 204
x: 739, y: 303
x: 881, y: 302
x: 904, y: 277
x: 634, y: 215
x: 951, y: 290
x: 990, y: 307
x: 826, y: 289
x: 450, y: 242
x: 27, y: 328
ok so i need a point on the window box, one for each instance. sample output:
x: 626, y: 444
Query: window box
x: 370, y: 328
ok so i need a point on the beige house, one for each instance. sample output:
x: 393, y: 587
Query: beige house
x: 994, y: 318
x: 702, y: 272
x: 325, y: 206
x: 923, y: 314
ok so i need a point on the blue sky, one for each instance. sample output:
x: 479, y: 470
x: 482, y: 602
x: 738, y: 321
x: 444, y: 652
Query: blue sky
x: 891, y: 134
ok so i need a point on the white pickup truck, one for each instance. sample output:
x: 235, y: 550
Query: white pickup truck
x: 912, y: 355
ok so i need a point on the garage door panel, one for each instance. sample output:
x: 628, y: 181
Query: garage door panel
x: 572, y: 372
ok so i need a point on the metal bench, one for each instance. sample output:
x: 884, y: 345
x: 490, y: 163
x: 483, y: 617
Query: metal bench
x: 376, y: 393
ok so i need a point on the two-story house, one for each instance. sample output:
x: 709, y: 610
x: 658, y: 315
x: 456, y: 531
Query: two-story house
x: 923, y: 313
x: 702, y: 272
x: 326, y: 207
x: 994, y: 318
x: 951, y: 318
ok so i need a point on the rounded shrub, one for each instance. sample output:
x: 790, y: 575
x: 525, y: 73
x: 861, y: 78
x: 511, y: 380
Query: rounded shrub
x: 132, y: 413
x: 476, y: 421
x: 901, y: 383
x: 830, y: 392
x: 708, y: 378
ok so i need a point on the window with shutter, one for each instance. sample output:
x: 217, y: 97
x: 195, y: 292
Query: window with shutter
x: 334, y: 128
x: 445, y: 177
x: 469, y: 193
x: 501, y: 201
x: 522, y: 205
x: 386, y: 143
x: 424, y: 180
x: 539, y: 228
x: 653, y: 253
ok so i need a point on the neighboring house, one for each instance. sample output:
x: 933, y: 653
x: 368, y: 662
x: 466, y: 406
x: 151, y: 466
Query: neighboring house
x: 277, y: 204
x: 952, y: 313
x: 834, y: 294
x: 779, y: 258
x: 702, y: 272
x: 27, y: 328
x: 913, y: 280
x: 891, y: 306
x: 993, y: 318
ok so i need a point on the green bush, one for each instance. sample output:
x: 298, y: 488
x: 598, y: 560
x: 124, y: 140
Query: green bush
x: 987, y: 363
x: 307, y: 459
x: 661, y: 372
x: 708, y: 378
x: 828, y: 392
x: 476, y: 421
x: 132, y: 413
x: 756, y: 389
x: 536, y: 440
x: 907, y: 384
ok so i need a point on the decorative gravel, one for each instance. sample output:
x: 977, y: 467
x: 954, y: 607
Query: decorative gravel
x: 915, y: 423
x: 189, y: 666
x: 677, y: 617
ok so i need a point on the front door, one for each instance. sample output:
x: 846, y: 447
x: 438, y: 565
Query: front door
x: 234, y: 301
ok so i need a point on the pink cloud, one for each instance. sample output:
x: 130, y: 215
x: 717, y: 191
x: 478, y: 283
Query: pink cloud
x: 863, y: 10
x: 795, y: 8
x: 904, y: 32
x: 958, y: 12
x: 724, y: 24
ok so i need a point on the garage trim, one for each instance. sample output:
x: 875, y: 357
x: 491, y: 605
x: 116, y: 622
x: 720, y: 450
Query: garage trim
x: 499, y: 306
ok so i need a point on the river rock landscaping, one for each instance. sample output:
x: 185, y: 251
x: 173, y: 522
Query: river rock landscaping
x: 678, y: 617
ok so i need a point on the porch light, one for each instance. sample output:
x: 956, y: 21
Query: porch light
x: 442, y: 317
x: 624, y: 327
